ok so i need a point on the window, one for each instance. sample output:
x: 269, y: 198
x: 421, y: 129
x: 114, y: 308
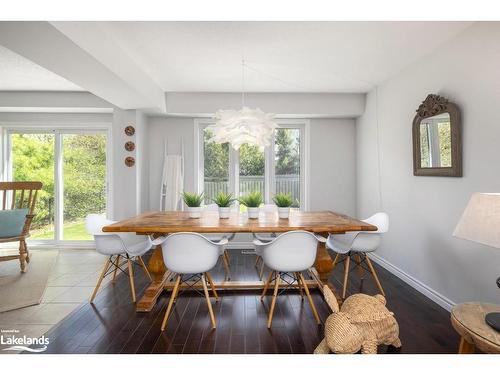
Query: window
x: 72, y: 166
x: 279, y: 168
x: 215, y: 168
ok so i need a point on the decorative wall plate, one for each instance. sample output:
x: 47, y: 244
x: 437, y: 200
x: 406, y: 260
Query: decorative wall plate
x: 130, y: 146
x: 129, y: 161
x: 130, y: 130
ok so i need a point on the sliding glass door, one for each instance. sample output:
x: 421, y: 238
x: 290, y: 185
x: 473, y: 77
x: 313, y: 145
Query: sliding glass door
x: 72, y: 165
x: 83, y: 181
x: 32, y: 159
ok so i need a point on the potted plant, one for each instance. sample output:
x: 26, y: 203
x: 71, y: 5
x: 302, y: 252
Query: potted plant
x: 224, y: 202
x: 284, y: 202
x: 193, y: 202
x: 252, y: 201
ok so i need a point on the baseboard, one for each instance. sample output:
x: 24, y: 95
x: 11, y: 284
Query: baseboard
x: 430, y: 293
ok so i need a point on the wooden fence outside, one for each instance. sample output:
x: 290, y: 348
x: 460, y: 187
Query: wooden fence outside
x: 284, y: 184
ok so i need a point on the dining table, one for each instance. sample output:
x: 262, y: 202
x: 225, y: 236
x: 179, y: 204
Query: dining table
x: 161, y: 223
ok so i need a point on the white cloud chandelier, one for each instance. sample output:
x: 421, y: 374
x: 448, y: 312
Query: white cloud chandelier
x: 251, y: 126
x: 247, y: 125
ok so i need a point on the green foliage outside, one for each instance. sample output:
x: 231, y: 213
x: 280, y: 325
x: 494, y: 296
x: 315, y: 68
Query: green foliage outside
x: 287, y: 152
x: 444, y: 131
x: 252, y: 161
x: 84, y: 176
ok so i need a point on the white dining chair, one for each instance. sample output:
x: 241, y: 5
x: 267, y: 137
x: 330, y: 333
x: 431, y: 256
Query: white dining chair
x: 357, y: 245
x: 264, y: 237
x: 217, y: 237
x: 288, y: 255
x: 115, y: 246
x: 191, y: 254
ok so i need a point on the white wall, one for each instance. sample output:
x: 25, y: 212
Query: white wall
x: 425, y: 210
x: 332, y: 181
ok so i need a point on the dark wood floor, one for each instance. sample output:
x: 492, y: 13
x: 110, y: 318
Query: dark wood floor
x: 111, y: 325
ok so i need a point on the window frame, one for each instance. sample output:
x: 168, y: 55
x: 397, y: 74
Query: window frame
x: 59, y: 131
x: 269, y: 168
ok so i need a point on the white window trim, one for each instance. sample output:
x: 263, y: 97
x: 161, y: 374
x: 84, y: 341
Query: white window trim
x: 75, y: 128
x: 303, y: 124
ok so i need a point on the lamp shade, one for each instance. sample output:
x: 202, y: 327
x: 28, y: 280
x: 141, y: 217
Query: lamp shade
x: 480, y: 221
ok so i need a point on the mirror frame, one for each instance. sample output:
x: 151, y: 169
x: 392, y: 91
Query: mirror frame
x: 435, y: 105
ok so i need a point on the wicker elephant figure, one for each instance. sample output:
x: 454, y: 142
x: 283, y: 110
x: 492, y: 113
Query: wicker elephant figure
x: 362, y: 323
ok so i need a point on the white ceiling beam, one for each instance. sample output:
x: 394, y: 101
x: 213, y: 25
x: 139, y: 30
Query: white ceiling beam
x: 284, y: 105
x: 48, y: 47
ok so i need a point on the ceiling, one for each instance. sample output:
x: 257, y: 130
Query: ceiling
x: 20, y: 74
x: 133, y: 64
x: 281, y: 56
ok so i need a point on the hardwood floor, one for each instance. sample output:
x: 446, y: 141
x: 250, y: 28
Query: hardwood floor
x: 112, y: 325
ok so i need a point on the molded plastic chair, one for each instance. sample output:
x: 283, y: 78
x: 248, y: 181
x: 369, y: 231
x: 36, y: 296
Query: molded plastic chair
x: 356, y: 245
x: 115, y: 246
x: 217, y: 237
x: 287, y: 256
x: 188, y: 253
x: 264, y: 237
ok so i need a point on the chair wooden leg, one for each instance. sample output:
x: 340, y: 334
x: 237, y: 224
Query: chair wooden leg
x: 26, y: 252
x: 117, y: 260
x: 273, y: 302
x: 227, y: 256
x: 207, y: 297
x: 212, y: 285
x: 131, y: 278
x: 311, y: 302
x: 145, y: 268
x: 226, y: 267
x: 335, y: 261
x: 299, y: 283
x: 257, y: 259
x: 261, y: 273
x: 360, y: 269
x: 465, y: 347
x: 346, y: 274
x: 171, y: 301
x: 104, y: 270
x: 374, y: 274
x: 22, y: 255
x: 266, y: 285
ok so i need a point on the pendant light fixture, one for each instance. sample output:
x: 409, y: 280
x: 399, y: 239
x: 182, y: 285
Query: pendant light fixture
x: 247, y: 125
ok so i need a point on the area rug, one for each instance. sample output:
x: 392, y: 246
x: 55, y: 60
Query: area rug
x: 18, y: 289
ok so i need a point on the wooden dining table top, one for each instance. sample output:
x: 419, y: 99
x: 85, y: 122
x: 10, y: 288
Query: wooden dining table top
x: 162, y: 222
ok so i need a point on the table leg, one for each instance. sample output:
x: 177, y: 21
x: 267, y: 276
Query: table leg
x: 155, y: 264
x: 160, y: 275
x: 324, y: 266
x: 466, y: 347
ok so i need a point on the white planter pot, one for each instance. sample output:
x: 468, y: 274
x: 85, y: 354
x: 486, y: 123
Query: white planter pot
x: 253, y: 212
x: 224, y: 212
x: 284, y: 212
x: 194, y: 212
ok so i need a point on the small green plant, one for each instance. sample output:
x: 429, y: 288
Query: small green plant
x: 253, y: 199
x: 283, y: 199
x: 223, y: 200
x: 192, y: 199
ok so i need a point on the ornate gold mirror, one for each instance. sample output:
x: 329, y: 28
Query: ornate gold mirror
x: 437, y: 140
